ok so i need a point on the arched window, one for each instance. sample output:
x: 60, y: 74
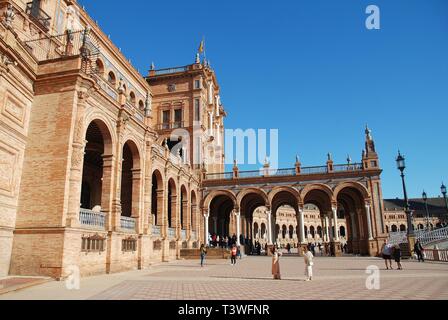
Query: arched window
x: 100, y: 68
x: 132, y: 99
x: 112, y: 79
x: 141, y: 105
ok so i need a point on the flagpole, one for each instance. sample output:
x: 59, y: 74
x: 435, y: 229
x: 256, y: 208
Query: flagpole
x: 205, y: 55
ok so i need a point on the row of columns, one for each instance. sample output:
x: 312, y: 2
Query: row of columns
x: 333, y: 236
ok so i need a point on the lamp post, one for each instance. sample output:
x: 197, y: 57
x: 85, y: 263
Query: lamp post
x: 425, y: 199
x: 401, y: 165
x: 444, y: 192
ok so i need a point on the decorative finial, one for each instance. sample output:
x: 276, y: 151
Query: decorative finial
x: 153, y: 67
x: 349, y: 159
x: 235, y: 163
x: 165, y: 143
x: 368, y: 132
x: 198, y: 58
x: 329, y: 156
x: 297, y: 159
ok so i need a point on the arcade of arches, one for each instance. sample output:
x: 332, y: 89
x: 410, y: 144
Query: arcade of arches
x: 314, y: 213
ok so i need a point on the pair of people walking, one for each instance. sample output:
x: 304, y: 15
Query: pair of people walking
x: 308, y: 259
x: 390, y: 252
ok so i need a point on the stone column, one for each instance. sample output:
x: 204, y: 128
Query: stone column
x: 269, y: 227
x: 77, y: 162
x: 335, y: 224
x: 302, y: 225
x: 206, y: 219
x: 238, y: 227
x: 369, y: 222
x: 327, y: 229
x: 107, y: 191
x: 136, y: 197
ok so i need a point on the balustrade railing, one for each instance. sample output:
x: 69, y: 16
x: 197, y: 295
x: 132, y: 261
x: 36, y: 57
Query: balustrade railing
x: 170, y: 70
x: 314, y: 170
x: 171, y: 232
x: 127, y: 223
x: 220, y: 176
x: 193, y: 235
x: 284, y: 172
x: 347, y: 167
x: 92, y: 219
x: 428, y: 237
x: 183, y: 234
x: 38, y: 15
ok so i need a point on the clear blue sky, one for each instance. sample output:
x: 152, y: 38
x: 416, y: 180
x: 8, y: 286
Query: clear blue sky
x: 312, y: 70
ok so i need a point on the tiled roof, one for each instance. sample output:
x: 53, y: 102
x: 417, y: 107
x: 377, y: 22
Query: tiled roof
x: 435, y: 205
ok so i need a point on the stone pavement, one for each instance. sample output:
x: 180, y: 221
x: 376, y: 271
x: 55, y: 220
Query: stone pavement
x: 335, y: 278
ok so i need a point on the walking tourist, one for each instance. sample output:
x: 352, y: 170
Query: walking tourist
x: 419, y: 250
x: 397, y: 256
x: 309, y: 265
x: 203, y: 252
x: 276, y: 263
x: 234, y: 253
x: 387, y: 252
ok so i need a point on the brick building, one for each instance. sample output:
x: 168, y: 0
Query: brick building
x: 107, y: 170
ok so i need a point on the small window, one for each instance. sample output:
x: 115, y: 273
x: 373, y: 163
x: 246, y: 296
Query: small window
x: 132, y: 98
x: 197, y: 84
x: 141, y: 105
x: 178, y: 118
x: 166, y: 119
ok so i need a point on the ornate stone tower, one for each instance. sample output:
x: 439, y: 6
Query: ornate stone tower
x: 187, y: 103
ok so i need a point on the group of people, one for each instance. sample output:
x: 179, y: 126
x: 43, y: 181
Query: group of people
x: 222, y: 242
x: 308, y: 259
x: 390, y: 252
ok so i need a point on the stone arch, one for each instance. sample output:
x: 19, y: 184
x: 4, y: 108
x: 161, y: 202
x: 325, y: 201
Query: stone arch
x: 256, y: 191
x: 355, y: 185
x: 105, y: 125
x: 157, y: 197
x: 96, y: 174
x: 194, y: 215
x: 278, y: 190
x: 209, y: 198
x: 130, y: 180
x: 318, y: 186
x: 172, y: 203
x: 183, y: 215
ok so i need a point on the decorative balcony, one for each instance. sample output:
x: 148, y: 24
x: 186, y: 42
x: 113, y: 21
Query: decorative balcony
x: 170, y: 126
x: 91, y: 219
x: 39, y: 16
x: 127, y: 223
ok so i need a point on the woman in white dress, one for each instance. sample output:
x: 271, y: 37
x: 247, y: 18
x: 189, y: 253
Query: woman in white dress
x: 309, y: 265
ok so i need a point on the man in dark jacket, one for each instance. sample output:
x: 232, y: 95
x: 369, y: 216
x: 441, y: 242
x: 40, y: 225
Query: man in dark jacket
x: 419, y: 250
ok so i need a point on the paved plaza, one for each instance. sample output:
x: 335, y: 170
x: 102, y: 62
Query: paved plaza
x: 335, y: 278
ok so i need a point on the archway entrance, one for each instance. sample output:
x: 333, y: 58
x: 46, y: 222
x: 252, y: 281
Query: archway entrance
x: 96, y: 175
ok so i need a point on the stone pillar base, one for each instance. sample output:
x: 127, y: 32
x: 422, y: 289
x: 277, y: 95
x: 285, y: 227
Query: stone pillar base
x: 336, y: 249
